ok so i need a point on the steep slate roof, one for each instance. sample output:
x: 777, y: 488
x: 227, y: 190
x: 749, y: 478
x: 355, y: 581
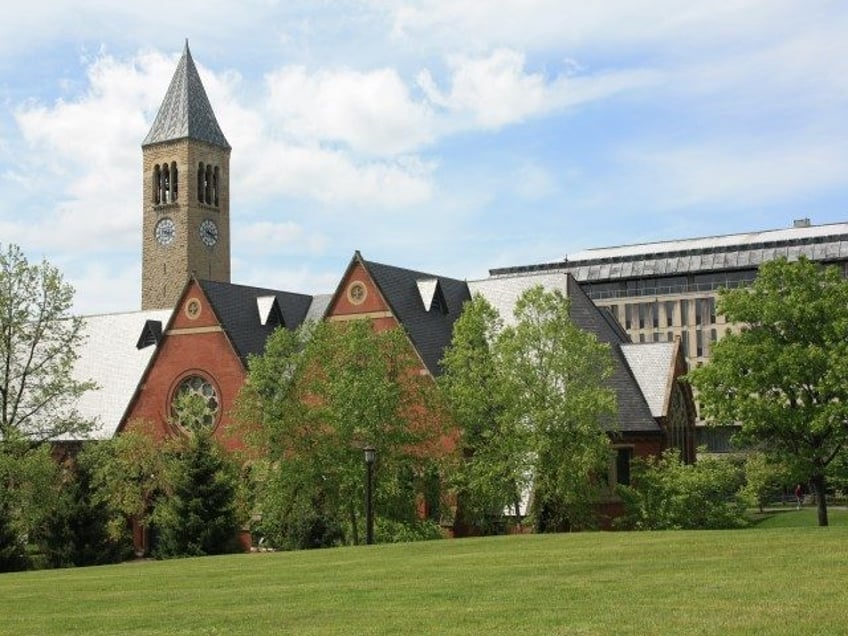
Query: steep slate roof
x: 237, y: 308
x: 110, y: 358
x: 430, y: 331
x: 634, y: 414
x: 185, y: 111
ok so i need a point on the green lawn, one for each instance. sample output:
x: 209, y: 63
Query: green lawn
x: 760, y: 581
x: 789, y: 517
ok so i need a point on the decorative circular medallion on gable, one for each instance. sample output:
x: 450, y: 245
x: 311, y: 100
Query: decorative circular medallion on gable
x: 192, y: 309
x: 195, y: 404
x: 357, y: 292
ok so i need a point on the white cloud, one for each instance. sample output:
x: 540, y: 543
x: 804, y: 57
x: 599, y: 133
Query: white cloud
x: 495, y: 90
x: 371, y: 111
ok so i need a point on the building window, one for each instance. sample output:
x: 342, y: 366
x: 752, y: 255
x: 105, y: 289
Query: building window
x: 195, y: 404
x: 174, y: 181
x: 628, y: 312
x: 684, y: 312
x: 699, y: 344
x: 156, y: 192
x: 201, y: 181
x: 620, y: 466
x: 207, y: 190
x: 655, y: 314
x: 669, y: 313
x: 641, y: 315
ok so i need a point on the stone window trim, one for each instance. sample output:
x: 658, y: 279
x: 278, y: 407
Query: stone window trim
x: 196, y: 382
x: 357, y: 292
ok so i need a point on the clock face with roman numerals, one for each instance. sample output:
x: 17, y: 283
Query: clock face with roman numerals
x: 208, y: 232
x: 165, y: 231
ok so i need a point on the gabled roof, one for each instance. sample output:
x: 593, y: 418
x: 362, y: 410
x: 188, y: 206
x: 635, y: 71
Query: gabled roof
x: 185, y: 112
x: 238, y: 308
x: 634, y: 414
x: 429, y: 330
x: 111, y: 359
x: 653, y: 367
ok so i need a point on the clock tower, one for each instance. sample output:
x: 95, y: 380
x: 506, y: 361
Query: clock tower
x: 186, y: 190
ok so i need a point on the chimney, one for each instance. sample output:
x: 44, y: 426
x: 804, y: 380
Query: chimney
x: 805, y: 222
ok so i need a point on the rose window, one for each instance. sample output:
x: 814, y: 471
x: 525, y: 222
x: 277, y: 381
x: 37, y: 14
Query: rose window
x: 195, y: 404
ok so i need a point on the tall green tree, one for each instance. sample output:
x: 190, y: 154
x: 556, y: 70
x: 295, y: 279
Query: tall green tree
x: 783, y: 376
x: 493, y: 448
x: 76, y: 529
x: 198, y: 515
x: 129, y: 474
x: 532, y: 408
x: 557, y: 373
x: 29, y: 496
x: 39, y: 343
x: 323, y: 393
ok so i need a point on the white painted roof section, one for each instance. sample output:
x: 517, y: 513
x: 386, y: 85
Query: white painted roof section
x: 652, y: 364
x: 318, y: 307
x: 502, y: 292
x: 109, y: 357
x: 727, y: 241
x: 427, y: 289
x: 264, y: 304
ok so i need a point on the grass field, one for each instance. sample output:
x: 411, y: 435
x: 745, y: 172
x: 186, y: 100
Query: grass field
x: 788, y: 580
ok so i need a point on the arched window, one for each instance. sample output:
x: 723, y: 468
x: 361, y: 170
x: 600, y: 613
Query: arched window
x: 208, y: 192
x: 201, y: 181
x: 215, y: 187
x: 166, y: 184
x: 156, y: 194
x: 174, y: 181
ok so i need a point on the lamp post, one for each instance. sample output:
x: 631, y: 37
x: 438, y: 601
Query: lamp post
x: 370, y: 458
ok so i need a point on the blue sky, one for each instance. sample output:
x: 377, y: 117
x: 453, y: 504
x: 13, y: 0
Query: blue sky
x: 447, y: 136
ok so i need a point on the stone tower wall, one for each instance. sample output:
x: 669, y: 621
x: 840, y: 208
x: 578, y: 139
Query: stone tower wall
x: 166, y: 268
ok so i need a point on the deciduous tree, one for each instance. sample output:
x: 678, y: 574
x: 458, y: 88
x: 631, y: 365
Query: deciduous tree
x: 532, y: 407
x: 783, y: 375
x: 493, y: 448
x: 322, y: 394
x: 39, y: 344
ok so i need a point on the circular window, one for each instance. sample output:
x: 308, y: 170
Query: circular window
x: 192, y: 308
x: 195, y: 404
x: 357, y: 292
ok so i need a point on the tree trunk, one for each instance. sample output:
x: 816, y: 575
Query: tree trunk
x: 818, y: 482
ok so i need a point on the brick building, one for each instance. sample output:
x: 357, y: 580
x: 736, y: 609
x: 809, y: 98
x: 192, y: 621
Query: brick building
x: 196, y: 329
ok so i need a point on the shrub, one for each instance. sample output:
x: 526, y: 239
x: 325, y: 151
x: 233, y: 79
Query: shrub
x: 667, y: 494
x: 389, y: 531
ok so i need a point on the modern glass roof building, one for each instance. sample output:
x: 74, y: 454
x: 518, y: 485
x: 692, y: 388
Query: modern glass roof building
x: 667, y: 290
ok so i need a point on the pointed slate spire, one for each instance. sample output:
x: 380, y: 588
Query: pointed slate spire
x: 186, y: 112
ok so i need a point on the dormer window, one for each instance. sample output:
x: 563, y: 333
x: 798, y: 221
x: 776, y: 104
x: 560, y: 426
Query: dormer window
x: 432, y: 296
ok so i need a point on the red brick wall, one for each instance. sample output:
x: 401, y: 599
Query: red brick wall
x: 194, y: 344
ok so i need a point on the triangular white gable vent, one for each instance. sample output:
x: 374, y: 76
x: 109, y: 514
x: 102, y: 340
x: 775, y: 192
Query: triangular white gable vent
x: 431, y: 294
x: 269, y: 310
